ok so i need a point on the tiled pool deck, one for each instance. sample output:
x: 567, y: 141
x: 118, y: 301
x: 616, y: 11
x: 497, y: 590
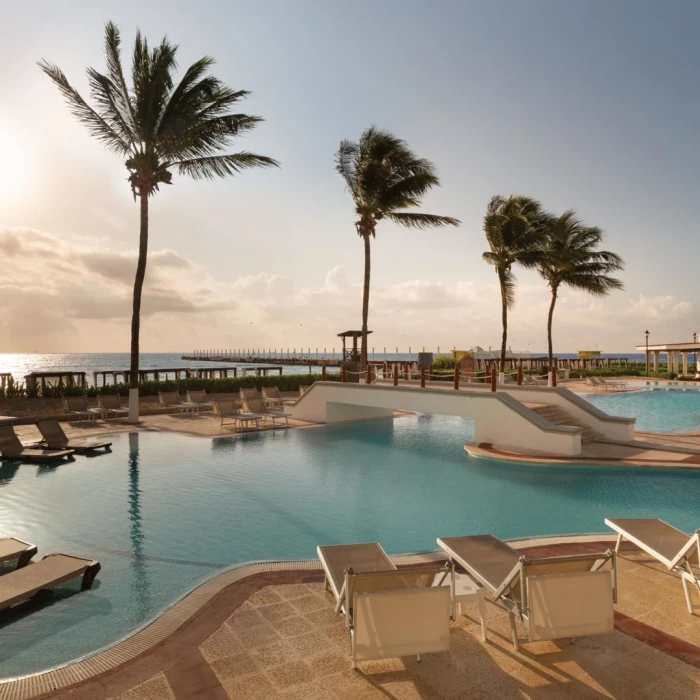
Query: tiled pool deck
x: 275, y: 636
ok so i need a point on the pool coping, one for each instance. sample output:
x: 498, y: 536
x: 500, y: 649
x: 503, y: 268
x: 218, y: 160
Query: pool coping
x: 187, y: 607
x: 486, y: 451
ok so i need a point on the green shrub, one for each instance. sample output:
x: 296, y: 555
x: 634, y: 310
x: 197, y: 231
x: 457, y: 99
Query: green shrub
x: 444, y: 362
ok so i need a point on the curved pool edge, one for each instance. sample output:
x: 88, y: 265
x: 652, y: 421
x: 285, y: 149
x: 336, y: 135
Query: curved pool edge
x: 169, y: 621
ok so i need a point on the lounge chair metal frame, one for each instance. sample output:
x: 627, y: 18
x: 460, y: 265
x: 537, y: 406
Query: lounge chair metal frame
x: 680, y: 563
x: 513, y: 592
x: 203, y: 405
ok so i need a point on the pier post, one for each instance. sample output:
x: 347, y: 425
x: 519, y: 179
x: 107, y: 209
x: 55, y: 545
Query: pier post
x: 422, y: 377
x: 406, y: 371
x: 493, y: 378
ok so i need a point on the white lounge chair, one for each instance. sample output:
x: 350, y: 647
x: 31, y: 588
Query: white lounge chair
x: 227, y: 409
x: 553, y: 597
x: 389, y: 612
x: 79, y: 406
x: 111, y: 403
x: 676, y: 550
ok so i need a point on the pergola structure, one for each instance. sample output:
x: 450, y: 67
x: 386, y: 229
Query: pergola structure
x: 351, y: 354
x: 676, y: 354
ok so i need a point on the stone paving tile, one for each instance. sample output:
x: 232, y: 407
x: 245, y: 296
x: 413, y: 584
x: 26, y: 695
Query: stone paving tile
x: 244, y: 619
x: 327, y: 663
x: 255, y: 687
x: 278, y: 611
x: 234, y: 666
x: 157, y: 688
x: 222, y: 643
x: 309, y: 603
x: 290, y: 674
x: 306, y: 691
x: 264, y: 597
x: 257, y: 636
x: 292, y: 626
x: 310, y: 644
x: 274, y: 654
x: 296, y: 590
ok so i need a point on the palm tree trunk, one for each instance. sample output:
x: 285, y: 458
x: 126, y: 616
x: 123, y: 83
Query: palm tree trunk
x: 365, y: 304
x: 136, y: 314
x: 504, y: 320
x: 549, y: 327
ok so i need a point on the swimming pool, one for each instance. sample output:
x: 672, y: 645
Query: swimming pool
x: 163, y: 512
x: 657, y: 410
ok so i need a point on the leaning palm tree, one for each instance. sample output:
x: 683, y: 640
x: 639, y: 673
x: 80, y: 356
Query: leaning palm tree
x: 158, y: 127
x: 512, y: 227
x: 571, y: 258
x: 385, y: 177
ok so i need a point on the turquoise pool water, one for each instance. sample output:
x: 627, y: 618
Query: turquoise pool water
x: 163, y: 512
x: 656, y: 410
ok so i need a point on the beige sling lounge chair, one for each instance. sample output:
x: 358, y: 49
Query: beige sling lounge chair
x: 389, y: 612
x: 553, y: 597
x: 227, y: 409
x: 56, y: 439
x: 111, y: 403
x: 258, y: 407
x: 271, y: 396
x: 172, y: 399
x: 79, y: 406
x: 676, y: 550
x: 54, y: 569
x: 11, y: 549
x: 199, y: 399
x: 12, y: 448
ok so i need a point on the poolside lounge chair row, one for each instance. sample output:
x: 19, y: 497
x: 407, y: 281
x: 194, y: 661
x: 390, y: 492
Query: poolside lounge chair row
x: 599, y: 384
x: 27, y: 579
x: 55, y: 445
x: 394, y: 612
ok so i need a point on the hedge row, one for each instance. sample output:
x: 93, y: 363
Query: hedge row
x: 228, y: 385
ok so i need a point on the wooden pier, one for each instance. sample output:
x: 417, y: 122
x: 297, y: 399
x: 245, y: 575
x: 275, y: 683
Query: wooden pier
x: 258, y: 359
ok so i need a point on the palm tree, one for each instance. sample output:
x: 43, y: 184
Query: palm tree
x: 158, y: 127
x: 570, y: 257
x: 512, y: 227
x: 384, y: 177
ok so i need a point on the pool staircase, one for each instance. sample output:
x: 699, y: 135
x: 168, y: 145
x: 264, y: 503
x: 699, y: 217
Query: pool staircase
x: 558, y: 416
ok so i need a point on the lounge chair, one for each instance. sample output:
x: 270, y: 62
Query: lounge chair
x: 11, y: 549
x: 172, y: 399
x: 554, y: 597
x: 12, y: 448
x: 227, y: 409
x: 56, y: 439
x: 199, y: 400
x: 271, y: 396
x: 257, y: 406
x: 54, y: 569
x: 610, y: 386
x: 111, y: 403
x: 676, y: 550
x: 389, y: 612
x: 534, y: 380
x: 79, y: 406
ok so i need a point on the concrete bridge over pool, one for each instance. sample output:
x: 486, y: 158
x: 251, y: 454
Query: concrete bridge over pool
x: 524, y: 419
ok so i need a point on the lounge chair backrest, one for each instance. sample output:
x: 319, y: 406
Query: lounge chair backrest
x: 75, y: 404
x: 52, y: 432
x: 225, y: 407
x: 401, y: 623
x: 271, y: 392
x: 197, y: 396
x: 250, y: 393
x: 169, y: 398
x: 255, y: 406
x: 303, y: 389
x: 9, y: 442
x: 573, y: 604
x: 109, y: 401
x: 398, y: 579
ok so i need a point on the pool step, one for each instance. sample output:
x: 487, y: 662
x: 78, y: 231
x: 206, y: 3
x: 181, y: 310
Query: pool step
x: 558, y: 416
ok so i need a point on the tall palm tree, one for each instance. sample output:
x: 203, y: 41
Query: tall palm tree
x: 158, y: 127
x: 571, y: 258
x: 384, y: 176
x: 513, y: 232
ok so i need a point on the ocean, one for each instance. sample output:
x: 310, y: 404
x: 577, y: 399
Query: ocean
x: 20, y: 365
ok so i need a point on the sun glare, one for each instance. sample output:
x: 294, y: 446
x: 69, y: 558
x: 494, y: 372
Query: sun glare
x: 12, y: 165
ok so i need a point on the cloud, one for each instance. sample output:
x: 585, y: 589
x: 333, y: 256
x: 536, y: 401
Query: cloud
x: 74, y: 294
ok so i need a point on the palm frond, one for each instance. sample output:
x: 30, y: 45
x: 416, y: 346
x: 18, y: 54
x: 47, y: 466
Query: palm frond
x: 96, y: 124
x: 345, y: 163
x: 421, y: 221
x: 219, y: 166
x: 115, y: 72
x: 506, y: 280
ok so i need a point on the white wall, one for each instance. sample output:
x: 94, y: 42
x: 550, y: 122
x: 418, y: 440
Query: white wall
x: 499, y: 418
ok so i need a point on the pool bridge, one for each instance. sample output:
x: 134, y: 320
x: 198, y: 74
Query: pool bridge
x: 524, y: 419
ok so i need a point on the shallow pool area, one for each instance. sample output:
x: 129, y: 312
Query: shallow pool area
x: 164, y: 512
x: 660, y: 409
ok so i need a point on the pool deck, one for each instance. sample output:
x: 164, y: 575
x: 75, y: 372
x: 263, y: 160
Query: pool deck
x: 273, y: 635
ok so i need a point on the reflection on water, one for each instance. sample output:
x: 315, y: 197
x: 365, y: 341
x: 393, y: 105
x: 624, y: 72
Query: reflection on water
x: 139, y: 563
x: 7, y: 471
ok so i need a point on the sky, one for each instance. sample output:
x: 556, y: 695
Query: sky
x: 592, y: 105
